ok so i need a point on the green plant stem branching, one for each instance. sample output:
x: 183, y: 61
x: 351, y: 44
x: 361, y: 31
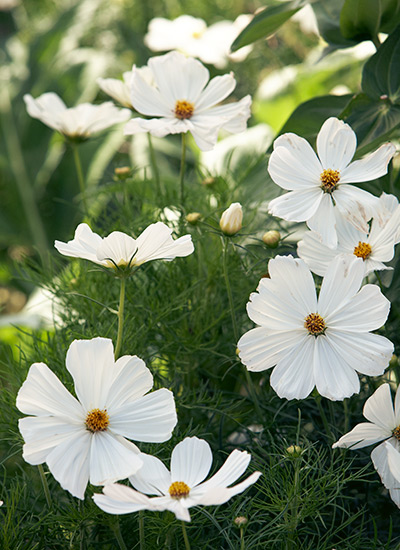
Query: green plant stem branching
x: 120, y: 318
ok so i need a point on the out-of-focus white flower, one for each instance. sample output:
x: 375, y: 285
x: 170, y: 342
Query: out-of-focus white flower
x: 119, y: 251
x: 231, y: 219
x: 41, y: 310
x: 383, y: 425
x: 182, y: 487
x: 84, y: 439
x: 319, y: 185
x: 322, y: 341
x: 184, y: 100
x: 120, y: 90
x: 307, y: 20
x: 78, y: 122
x: 374, y: 247
x: 192, y: 37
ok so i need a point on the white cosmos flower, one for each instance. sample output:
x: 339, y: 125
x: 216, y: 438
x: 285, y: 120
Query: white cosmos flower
x: 374, y: 247
x: 319, y: 186
x: 119, y: 250
x: 182, y: 487
x: 383, y: 425
x: 78, y: 122
x: 184, y: 101
x: 322, y: 341
x: 83, y: 439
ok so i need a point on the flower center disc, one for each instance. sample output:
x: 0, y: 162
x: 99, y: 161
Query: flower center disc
x: 396, y: 433
x: 314, y: 324
x: 363, y: 250
x: 179, y: 489
x: 183, y: 109
x: 329, y: 180
x: 97, y: 420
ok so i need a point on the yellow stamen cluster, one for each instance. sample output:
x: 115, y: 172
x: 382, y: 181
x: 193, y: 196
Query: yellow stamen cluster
x: 314, y: 324
x: 97, y: 420
x: 396, y: 433
x: 329, y: 180
x: 178, y: 489
x: 183, y: 109
x: 363, y: 250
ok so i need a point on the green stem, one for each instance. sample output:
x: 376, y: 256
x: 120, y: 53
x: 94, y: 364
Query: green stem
x: 45, y: 486
x: 182, y: 176
x: 185, y: 537
x: 346, y: 416
x: 242, y: 546
x: 376, y: 41
x: 118, y: 535
x: 291, y: 540
x: 120, y: 318
x: 154, y: 167
x: 81, y: 179
x: 141, y: 531
x: 324, y: 419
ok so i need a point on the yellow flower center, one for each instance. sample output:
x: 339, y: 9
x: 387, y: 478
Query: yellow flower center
x: 329, y: 180
x: 363, y: 250
x: 183, y: 109
x: 178, y: 489
x: 314, y: 324
x: 97, y: 420
x: 197, y: 34
x: 396, y: 433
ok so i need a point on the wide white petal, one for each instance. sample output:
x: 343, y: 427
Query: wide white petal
x: 117, y: 89
x: 316, y: 254
x: 146, y: 99
x: 296, y: 206
x: 379, y: 409
x: 233, y: 467
x: 323, y: 221
x: 232, y: 116
x: 371, y: 167
x: 397, y: 405
x: 118, y: 247
x: 216, y: 90
x: 334, y: 378
x: 69, y: 463
x: 120, y: 499
x: 191, y: 461
x: 356, y: 204
x: 91, y: 364
x: 156, y: 242
x: 48, y: 107
x: 158, y: 127
x: 110, y: 460
x: 380, y: 460
x: 362, y: 435
x: 151, y: 418
x: 293, y: 376
x: 84, y: 244
x: 336, y: 144
x: 205, y: 131
x: 153, y: 478
x: 133, y: 380
x: 220, y: 495
x: 393, y: 457
x: 43, y: 394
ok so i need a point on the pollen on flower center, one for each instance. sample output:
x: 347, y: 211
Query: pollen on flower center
x: 183, y: 109
x: 329, y: 180
x: 396, y: 433
x: 97, y: 420
x: 363, y: 250
x: 315, y: 324
x: 179, y: 489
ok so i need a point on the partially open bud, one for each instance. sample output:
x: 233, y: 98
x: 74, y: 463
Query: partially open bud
x: 294, y: 450
x: 271, y: 238
x: 231, y: 219
x: 193, y: 217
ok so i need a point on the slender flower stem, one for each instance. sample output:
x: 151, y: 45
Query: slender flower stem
x: 141, y: 531
x: 324, y: 419
x: 185, y: 537
x: 45, y: 486
x: 291, y: 539
x: 182, y: 175
x: 242, y: 546
x: 118, y: 535
x: 120, y: 318
x: 154, y: 167
x: 81, y: 180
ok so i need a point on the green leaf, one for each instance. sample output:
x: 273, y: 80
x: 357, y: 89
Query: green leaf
x: 360, y: 19
x: 390, y: 16
x: 267, y: 22
x: 327, y: 13
x: 381, y: 74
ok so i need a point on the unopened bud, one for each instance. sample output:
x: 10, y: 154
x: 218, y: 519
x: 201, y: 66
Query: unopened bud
x: 193, y: 217
x: 122, y: 172
x: 294, y: 450
x: 271, y: 238
x: 208, y: 181
x: 231, y: 219
x: 240, y: 521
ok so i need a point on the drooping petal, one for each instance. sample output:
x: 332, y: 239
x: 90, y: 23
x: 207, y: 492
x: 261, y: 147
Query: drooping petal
x: 120, y: 499
x: 336, y: 145
x: 118, y: 247
x: 362, y: 435
x: 191, y: 461
x: 153, y: 478
x: 380, y: 460
x: 379, y: 409
x: 296, y: 206
x: 371, y: 167
x: 233, y: 467
x: 216, y: 90
x: 323, y: 221
x: 84, y: 244
x: 156, y: 242
x: 220, y: 495
x: 133, y: 380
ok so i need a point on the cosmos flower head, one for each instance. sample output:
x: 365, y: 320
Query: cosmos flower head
x: 320, y: 185
x: 183, y: 486
x: 315, y: 341
x: 86, y: 438
x: 184, y: 100
x: 123, y: 253
x: 76, y: 123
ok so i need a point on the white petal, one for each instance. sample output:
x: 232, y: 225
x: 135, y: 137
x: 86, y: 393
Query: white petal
x: 153, y: 478
x: 379, y: 458
x: 91, y: 363
x: 334, y: 379
x: 397, y: 406
x: 48, y: 107
x: 379, y: 409
x: 216, y: 91
x: 316, y: 255
x: 371, y: 167
x: 84, y: 244
x: 156, y: 243
x: 43, y: 394
x: 336, y: 144
x: 296, y: 206
x: 221, y: 495
x: 393, y: 458
x: 233, y: 116
x: 146, y: 99
x: 151, y: 418
x: 357, y: 205
x: 120, y: 499
x: 117, y: 89
x: 191, y: 461
x: 233, y: 467
x: 205, y: 131
x: 110, y: 460
x: 118, y: 247
x: 323, y: 221
x: 362, y: 435
x: 293, y: 377
x: 69, y: 463
x: 133, y: 380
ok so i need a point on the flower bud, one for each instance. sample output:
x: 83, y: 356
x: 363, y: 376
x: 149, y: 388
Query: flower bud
x: 294, y: 450
x: 271, y: 238
x: 122, y: 172
x: 231, y: 219
x: 240, y: 521
x: 193, y: 217
x: 209, y: 180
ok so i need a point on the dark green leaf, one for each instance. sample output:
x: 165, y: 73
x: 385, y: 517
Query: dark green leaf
x: 360, y: 19
x: 328, y: 14
x: 267, y: 22
x: 390, y: 15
